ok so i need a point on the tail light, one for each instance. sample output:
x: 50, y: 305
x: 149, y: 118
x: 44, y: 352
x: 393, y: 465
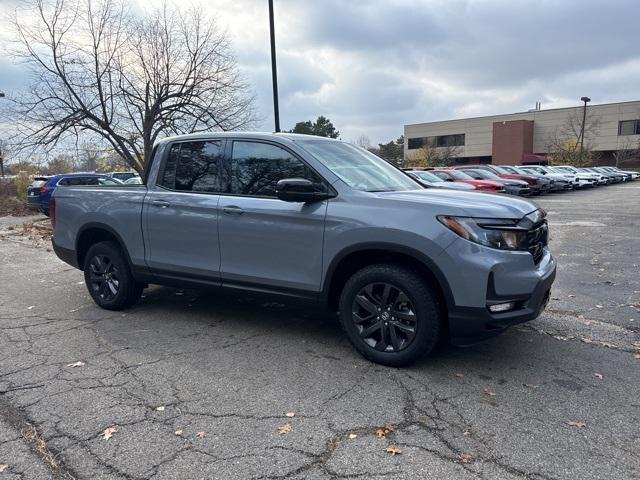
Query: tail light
x: 52, y: 212
x: 44, y: 189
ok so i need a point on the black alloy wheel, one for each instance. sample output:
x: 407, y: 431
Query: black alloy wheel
x: 384, y: 317
x: 104, y: 277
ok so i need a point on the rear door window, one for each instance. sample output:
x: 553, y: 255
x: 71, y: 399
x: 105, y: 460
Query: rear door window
x: 193, y: 167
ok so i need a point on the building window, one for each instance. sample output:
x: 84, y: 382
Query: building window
x: 456, y: 140
x: 629, y: 127
x: 451, y: 140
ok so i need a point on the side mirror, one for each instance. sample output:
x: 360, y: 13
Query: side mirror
x: 300, y: 190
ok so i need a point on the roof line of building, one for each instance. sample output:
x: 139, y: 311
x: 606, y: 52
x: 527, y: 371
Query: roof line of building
x: 533, y: 112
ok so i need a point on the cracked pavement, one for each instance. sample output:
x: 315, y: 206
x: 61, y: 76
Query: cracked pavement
x: 233, y: 366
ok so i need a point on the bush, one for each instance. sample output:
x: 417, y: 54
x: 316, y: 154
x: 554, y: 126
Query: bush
x: 22, y: 182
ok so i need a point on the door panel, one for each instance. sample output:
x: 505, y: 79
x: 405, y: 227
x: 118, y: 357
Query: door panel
x: 271, y: 242
x: 264, y: 240
x: 181, y: 212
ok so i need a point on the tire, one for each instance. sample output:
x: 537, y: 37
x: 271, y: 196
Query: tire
x: 406, y: 331
x: 108, y: 277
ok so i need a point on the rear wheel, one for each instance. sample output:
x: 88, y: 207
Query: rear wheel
x: 108, y: 277
x: 390, y: 314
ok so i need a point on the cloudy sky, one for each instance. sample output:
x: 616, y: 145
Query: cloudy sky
x: 372, y: 66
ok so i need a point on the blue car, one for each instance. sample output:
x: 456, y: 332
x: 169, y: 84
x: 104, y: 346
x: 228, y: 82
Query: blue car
x: 40, y: 191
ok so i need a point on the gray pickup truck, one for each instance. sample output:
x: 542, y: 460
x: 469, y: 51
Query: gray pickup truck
x: 319, y: 219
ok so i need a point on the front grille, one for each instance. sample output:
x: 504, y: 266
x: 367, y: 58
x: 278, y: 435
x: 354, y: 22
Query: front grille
x: 537, y: 239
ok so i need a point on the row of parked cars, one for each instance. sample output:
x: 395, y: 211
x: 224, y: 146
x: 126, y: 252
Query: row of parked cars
x: 523, y: 180
x: 41, y: 189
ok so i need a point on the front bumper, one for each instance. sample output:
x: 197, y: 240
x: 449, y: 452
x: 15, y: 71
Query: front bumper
x: 479, y: 276
x: 515, y: 190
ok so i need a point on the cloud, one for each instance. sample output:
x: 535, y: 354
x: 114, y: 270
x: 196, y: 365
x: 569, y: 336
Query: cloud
x: 372, y: 66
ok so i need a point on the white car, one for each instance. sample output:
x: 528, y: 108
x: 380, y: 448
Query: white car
x: 587, y: 177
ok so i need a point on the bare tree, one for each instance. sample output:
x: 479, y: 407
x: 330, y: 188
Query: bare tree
x: 103, y: 73
x: 364, y: 142
x: 563, y: 144
x: 431, y: 156
x: 627, y: 153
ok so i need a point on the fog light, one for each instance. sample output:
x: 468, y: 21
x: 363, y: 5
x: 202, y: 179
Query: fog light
x: 502, y: 307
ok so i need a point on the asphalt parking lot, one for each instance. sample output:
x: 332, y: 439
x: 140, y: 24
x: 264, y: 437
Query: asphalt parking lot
x: 198, y: 385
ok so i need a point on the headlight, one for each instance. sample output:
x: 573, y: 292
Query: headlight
x: 490, y: 232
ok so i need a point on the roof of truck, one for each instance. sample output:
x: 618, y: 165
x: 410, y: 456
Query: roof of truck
x: 252, y: 135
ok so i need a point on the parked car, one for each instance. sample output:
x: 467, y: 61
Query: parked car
x: 122, y: 176
x: 634, y: 175
x: 594, y: 178
x: 534, y: 185
x: 565, y: 180
x: 611, y: 178
x: 617, y: 177
x: 628, y: 176
x: 511, y: 186
x: 137, y: 180
x: 40, y: 191
x: 429, y: 180
x: 546, y: 184
x: 458, y: 176
x: 33, y: 193
x: 313, y: 218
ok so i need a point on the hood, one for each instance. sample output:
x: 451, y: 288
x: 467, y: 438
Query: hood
x: 471, y: 204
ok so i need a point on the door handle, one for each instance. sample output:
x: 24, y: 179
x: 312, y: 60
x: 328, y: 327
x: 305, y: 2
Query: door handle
x: 160, y: 203
x: 232, y: 210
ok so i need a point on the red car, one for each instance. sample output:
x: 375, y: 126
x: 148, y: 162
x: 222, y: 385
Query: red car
x: 534, y: 185
x: 480, y: 185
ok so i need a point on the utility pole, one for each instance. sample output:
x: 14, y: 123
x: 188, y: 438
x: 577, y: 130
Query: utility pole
x: 1, y: 153
x: 274, y: 73
x: 584, y: 119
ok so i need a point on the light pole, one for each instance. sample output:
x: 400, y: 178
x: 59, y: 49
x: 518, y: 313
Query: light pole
x: 584, y: 119
x: 1, y: 154
x: 274, y: 73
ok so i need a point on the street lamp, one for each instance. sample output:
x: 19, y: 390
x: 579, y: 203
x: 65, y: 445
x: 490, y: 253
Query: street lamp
x: 584, y: 119
x: 274, y: 73
x: 1, y: 155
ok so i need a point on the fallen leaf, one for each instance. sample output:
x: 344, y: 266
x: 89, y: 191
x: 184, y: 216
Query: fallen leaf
x: 201, y: 434
x: 286, y: 428
x: 598, y: 375
x: 571, y: 296
x: 489, y: 392
x: 466, y: 458
x: 576, y: 424
x: 3, y: 467
x: 290, y: 414
x: 160, y: 408
x: 31, y: 307
x: 459, y: 375
x: 76, y: 364
x: 352, y: 436
x: 466, y: 434
x: 530, y: 385
x: 178, y: 432
x: 393, y: 450
x: 108, y: 432
x: 587, y: 340
x: 599, y: 306
x: 380, y: 433
x: 389, y: 428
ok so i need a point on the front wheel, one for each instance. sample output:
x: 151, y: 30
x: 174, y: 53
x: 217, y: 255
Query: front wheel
x: 390, y: 314
x: 108, y: 277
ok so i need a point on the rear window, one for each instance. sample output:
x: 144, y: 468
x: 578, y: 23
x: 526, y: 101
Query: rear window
x: 37, y: 183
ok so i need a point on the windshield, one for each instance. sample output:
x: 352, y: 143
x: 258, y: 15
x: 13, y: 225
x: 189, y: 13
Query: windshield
x: 501, y: 170
x: 534, y: 170
x: 458, y: 175
x: 510, y: 170
x: 358, y: 168
x: 428, y: 177
x: 484, y: 174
